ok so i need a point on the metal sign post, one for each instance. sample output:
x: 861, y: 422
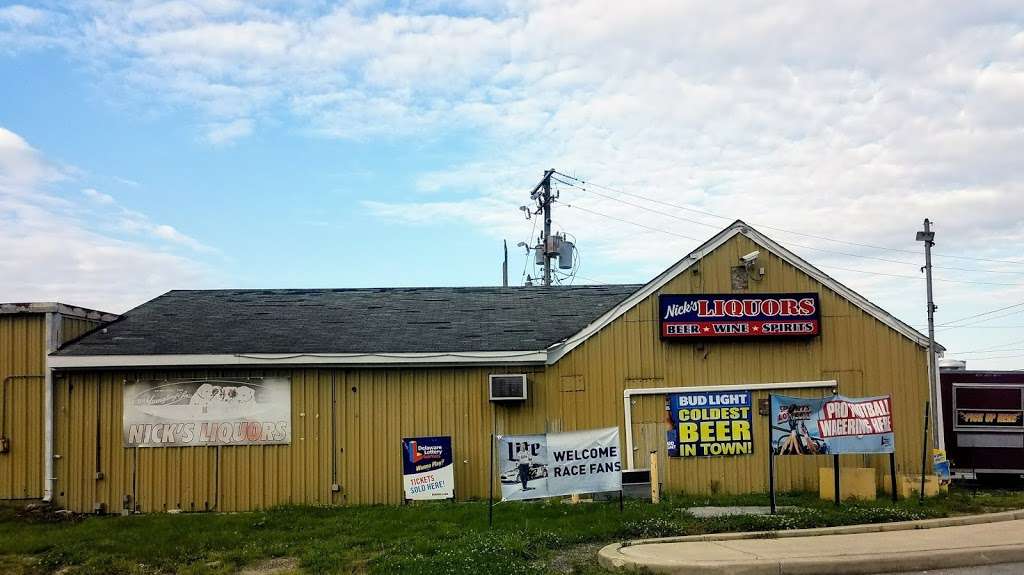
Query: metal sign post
x: 490, y: 494
x: 835, y: 477
x: 771, y: 460
x: 892, y: 476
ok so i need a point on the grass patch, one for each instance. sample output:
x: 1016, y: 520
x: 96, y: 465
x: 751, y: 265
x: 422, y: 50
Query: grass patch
x: 528, y: 538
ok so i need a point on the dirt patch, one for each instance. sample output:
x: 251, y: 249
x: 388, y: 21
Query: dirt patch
x: 276, y: 566
x: 571, y: 560
x: 46, y: 513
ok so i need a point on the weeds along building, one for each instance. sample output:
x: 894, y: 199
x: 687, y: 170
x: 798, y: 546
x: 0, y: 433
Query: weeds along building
x: 28, y: 332
x: 353, y: 371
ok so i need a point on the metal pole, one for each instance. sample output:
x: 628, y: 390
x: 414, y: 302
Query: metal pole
x: 924, y: 452
x: 835, y: 477
x: 490, y: 495
x: 892, y: 476
x: 934, y: 391
x: 504, y: 265
x: 771, y: 459
x: 546, y: 203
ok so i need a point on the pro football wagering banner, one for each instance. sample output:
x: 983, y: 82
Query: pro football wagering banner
x: 428, y: 470
x: 554, y: 464
x: 709, y: 423
x: 831, y: 425
x: 708, y: 316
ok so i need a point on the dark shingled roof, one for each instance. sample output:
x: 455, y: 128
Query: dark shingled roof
x: 352, y: 320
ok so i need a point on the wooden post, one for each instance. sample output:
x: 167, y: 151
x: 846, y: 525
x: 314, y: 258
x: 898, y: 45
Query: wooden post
x: 771, y: 458
x: 892, y: 477
x: 835, y: 477
x: 655, y: 483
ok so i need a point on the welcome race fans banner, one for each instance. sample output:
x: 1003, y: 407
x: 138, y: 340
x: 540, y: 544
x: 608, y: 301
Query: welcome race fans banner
x: 555, y: 464
x: 831, y: 425
x: 711, y: 423
x: 428, y: 470
x: 200, y: 412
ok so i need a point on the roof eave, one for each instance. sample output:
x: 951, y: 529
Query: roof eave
x: 536, y: 357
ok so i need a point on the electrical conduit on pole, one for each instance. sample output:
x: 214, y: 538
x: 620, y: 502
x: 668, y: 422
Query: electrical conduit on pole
x: 934, y: 389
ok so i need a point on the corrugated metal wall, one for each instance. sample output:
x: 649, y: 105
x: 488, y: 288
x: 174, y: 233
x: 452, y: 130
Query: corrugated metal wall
x: 72, y: 327
x: 22, y: 353
x: 347, y: 424
x: 865, y: 356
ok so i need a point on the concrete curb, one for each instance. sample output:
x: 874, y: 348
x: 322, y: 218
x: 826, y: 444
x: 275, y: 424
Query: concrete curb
x: 611, y: 557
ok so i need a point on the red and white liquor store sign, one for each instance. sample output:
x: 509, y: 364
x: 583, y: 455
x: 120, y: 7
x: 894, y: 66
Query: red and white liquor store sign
x: 709, y: 316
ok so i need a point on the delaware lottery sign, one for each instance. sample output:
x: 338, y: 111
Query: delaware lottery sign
x: 427, y: 468
x: 710, y: 423
x: 693, y: 316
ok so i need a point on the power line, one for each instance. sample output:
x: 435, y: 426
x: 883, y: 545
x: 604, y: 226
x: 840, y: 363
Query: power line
x: 981, y: 314
x: 996, y: 357
x: 778, y: 229
x: 663, y: 213
x: 979, y: 322
x: 829, y: 266
x: 578, y: 207
x: 989, y: 349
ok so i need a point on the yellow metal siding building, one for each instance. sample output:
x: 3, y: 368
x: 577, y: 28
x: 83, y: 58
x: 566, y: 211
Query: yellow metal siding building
x: 28, y: 331
x: 348, y: 418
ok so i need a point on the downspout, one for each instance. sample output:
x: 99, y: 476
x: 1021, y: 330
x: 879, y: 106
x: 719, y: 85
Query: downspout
x: 53, y: 321
x: 627, y: 399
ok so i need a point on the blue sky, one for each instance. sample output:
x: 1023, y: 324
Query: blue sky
x: 147, y: 146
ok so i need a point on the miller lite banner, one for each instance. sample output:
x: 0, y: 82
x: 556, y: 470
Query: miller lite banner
x: 428, y: 470
x: 708, y: 316
x: 556, y: 464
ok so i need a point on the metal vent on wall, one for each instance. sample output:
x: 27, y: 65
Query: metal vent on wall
x: 508, y: 387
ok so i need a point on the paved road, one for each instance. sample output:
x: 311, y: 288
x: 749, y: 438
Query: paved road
x: 1006, y: 569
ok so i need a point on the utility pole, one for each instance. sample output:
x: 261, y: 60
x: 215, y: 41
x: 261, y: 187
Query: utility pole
x: 546, y: 243
x: 548, y: 247
x: 934, y: 388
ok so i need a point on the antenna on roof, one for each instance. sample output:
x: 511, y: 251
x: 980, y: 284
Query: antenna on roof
x: 504, y: 265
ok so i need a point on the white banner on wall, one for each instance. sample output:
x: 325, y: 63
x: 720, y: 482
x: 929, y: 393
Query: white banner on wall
x: 198, y: 412
x: 556, y: 464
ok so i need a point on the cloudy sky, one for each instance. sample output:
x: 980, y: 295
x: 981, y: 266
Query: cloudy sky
x: 146, y: 146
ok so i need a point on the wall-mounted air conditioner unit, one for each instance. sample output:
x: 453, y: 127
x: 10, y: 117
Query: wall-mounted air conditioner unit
x: 507, y: 387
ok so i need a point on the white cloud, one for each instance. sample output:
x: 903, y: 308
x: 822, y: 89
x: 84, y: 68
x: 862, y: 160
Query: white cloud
x: 98, y: 196
x: 55, y: 251
x: 21, y: 15
x: 856, y: 121
x: 227, y: 132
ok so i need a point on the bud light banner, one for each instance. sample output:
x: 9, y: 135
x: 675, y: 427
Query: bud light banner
x: 831, y: 425
x: 555, y: 464
x: 428, y: 470
x: 711, y: 423
x: 692, y: 316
